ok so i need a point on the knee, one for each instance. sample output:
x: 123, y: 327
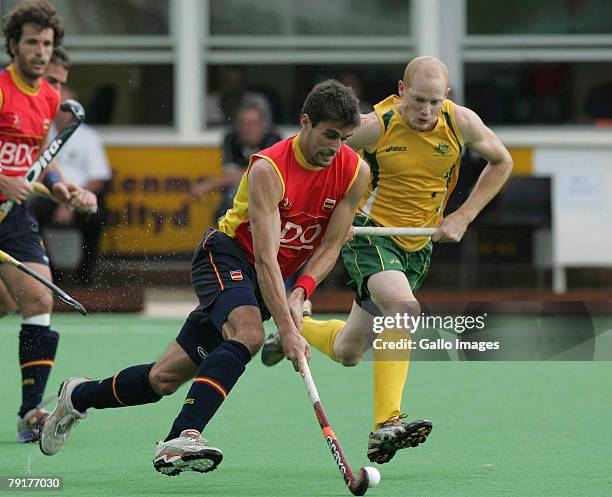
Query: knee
x: 408, y: 308
x: 251, y: 338
x: 348, y: 356
x: 164, y: 382
x: 249, y: 334
x: 41, y: 303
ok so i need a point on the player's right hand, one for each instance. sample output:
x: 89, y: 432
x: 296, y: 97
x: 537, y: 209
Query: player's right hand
x: 296, y: 305
x: 16, y: 188
x: 295, y: 347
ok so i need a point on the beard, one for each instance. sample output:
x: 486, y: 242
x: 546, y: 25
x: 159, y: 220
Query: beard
x: 27, y: 67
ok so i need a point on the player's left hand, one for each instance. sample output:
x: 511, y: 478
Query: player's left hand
x: 81, y: 199
x: 451, y: 229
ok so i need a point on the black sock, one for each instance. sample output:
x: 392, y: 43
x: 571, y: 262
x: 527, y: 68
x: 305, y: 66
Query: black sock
x: 129, y: 387
x: 37, y: 347
x: 216, y: 376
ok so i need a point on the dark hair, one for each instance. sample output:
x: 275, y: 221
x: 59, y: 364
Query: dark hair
x: 60, y: 58
x: 331, y: 101
x: 40, y: 13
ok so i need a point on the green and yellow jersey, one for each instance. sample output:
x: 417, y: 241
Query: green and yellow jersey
x: 412, y: 172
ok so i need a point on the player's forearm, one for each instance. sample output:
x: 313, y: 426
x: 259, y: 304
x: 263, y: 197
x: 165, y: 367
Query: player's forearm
x: 490, y: 182
x: 322, y: 261
x: 53, y: 166
x: 272, y: 289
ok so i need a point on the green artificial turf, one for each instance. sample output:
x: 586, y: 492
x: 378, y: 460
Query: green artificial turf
x: 500, y: 428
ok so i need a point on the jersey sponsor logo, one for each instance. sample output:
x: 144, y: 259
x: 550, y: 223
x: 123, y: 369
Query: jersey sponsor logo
x: 442, y: 148
x: 16, y: 154
x: 329, y: 204
x: 296, y: 237
x: 395, y: 148
x: 236, y: 275
x: 202, y: 353
x: 285, y: 204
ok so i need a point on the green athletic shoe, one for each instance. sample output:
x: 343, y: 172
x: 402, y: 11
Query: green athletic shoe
x: 394, y: 435
x: 272, y: 350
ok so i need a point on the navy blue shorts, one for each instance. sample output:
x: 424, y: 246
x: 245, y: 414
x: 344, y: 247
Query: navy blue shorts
x: 223, y: 279
x: 20, y: 237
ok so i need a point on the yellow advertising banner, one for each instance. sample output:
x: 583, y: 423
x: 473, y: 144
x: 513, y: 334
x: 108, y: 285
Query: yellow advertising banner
x: 149, y: 208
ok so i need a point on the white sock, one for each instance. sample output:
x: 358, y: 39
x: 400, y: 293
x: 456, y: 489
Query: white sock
x: 39, y: 320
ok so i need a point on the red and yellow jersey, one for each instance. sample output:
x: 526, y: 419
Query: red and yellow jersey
x: 310, y: 194
x: 25, y: 116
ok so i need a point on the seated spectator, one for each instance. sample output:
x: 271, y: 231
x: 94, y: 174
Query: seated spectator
x: 83, y: 162
x: 250, y: 134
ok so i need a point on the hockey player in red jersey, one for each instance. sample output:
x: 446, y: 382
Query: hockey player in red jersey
x: 294, y: 207
x: 28, y: 104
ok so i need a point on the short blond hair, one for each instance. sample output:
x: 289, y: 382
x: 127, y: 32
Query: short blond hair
x: 429, y: 66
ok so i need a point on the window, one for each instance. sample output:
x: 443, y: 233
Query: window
x: 539, y: 17
x: 545, y: 62
x: 125, y: 94
x: 540, y: 93
x: 285, y: 86
x: 279, y: 49
x: 109, y: 17
x: 315, y: 17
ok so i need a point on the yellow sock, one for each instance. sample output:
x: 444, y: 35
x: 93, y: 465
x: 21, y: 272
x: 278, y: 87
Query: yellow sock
x: 390, y: 373
x: 321, y: 334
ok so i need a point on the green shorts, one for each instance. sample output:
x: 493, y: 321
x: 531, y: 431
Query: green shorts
x: 367, y: 255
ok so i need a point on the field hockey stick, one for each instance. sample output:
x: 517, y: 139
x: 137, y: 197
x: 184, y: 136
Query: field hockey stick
x: 77, y: 306
x: 381, y: 231
x: 44, y: 191
x: 49, y: 153
x: 359, y: 485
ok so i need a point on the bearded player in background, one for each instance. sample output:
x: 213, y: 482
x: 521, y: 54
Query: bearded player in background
x: 28, y: 105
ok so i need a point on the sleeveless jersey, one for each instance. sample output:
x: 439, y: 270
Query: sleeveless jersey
x: 310, y: 194
x: 412, y: 172
x: 25, y: 116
